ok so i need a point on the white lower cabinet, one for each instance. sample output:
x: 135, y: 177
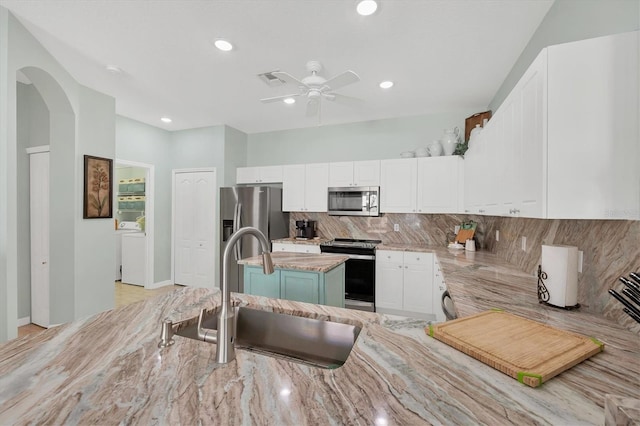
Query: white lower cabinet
x: 404, y: 283
x: 296, y: 248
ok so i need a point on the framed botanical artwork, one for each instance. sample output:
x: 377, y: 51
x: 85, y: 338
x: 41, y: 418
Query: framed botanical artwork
x: 98, y: 188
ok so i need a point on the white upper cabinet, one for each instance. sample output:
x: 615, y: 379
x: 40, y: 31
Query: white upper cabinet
x: 398, y: 183
x: 304, y: 187
x: 354, y: 173
x: 440, y: 184
x: 593, y: 142
x: 422, y: 185
x: 564, y: 144
x: 264, y: 174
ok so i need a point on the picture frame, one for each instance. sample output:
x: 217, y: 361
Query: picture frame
x: 97, y: 197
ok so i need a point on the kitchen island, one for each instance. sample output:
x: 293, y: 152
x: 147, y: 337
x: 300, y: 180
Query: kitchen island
x: 108, y: 369
x: 301, y: 277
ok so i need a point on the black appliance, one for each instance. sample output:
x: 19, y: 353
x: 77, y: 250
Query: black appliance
x: 306, y: 229
x: 360, y: 271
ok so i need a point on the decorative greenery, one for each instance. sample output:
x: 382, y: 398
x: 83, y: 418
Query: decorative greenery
x: 461, y: 148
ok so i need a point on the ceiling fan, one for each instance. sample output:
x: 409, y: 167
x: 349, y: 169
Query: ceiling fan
x: 314, y: 87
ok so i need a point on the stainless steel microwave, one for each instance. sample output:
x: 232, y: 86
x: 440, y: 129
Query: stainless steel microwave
x: 354, y: 201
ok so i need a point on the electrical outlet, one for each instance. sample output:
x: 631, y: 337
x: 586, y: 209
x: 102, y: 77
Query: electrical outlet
x: 396, y: 227
x: 524, y: 243
x: 580, y: 260
x: 497, y: 235
x: 456, y: 229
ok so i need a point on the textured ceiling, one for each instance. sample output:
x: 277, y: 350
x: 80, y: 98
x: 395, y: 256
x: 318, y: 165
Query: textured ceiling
x: 443, y: 55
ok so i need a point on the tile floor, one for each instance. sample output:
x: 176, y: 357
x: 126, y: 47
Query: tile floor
x: 125, y: 294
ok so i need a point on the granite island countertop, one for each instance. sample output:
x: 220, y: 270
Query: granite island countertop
x: 312, y: 262
x: 108, y: 368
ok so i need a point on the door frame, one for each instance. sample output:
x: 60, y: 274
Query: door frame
x: 149, y: 214
x: 174, y: 172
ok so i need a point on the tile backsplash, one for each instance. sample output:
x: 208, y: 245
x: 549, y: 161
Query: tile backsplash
x: 611, y: 247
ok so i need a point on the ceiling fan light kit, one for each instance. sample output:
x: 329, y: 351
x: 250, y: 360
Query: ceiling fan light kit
x: 314, y: 87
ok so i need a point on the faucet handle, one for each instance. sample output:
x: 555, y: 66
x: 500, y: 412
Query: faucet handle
x: 166, y: 334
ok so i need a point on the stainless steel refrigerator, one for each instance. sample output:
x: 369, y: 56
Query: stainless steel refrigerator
x: 257, y: 206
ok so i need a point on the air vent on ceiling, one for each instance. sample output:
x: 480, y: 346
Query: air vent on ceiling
x: 270, y: 79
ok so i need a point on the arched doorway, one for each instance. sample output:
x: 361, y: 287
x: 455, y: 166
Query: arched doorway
x: 54, y: 122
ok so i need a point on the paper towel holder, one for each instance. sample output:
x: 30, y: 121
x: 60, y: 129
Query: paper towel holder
x: 543, y: 293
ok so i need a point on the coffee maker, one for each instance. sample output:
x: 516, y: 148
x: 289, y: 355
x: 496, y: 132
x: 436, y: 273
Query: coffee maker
x: 305, y: 229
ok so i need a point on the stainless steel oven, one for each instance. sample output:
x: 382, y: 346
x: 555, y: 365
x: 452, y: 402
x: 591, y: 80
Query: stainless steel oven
x: 360, y: 271
x: 353, y: 201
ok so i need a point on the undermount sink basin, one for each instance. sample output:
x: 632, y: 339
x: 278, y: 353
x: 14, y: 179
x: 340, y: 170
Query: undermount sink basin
x: 325, y: 344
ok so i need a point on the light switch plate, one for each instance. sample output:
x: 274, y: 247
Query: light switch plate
x: 580, y: 260
x: 524, y: 243
x: 497, y: 235
x: 396, y: 227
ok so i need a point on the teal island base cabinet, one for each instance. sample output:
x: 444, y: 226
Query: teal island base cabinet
x: 322, y: 288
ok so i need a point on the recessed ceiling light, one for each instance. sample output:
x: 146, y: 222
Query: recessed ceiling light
x: 166, y: 120
x: 289, y: 101
x: 223, y: 45
x: 113, y: 69
x: 367, y: 7
x: 386, y: 84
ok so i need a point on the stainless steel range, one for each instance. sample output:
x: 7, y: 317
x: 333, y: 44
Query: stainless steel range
x: 360, y: 271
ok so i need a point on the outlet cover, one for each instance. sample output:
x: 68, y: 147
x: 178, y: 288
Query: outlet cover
x: 497, y: 235
x: 524, y: 243
x: 396, y: 227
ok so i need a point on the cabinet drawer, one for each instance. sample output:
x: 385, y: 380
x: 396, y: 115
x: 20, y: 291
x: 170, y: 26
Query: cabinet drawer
x: 417, y: 258
x: 283, y: 247
x: 389, y: 256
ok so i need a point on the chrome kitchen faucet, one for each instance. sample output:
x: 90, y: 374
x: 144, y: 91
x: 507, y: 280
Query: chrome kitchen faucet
x: 225, y: 337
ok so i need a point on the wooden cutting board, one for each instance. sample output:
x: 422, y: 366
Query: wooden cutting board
x: 526, y: 350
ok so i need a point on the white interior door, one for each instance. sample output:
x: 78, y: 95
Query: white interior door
x: 194, y: 222
x: 39, y: 214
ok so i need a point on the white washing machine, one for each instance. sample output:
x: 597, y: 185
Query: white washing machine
x: 123, y: 228
x: 134, y: 258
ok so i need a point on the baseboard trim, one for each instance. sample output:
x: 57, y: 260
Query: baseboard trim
x: 160, y: 284
x: 24, y: 321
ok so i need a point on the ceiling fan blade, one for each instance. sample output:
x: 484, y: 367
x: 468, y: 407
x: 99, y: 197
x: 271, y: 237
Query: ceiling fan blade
x: 278, y: 98
x: 344, y: 100
x: 313, y: 106
x: 341, y: 80
x: 288, y: 78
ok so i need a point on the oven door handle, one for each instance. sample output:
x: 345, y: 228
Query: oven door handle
x: 356, y: 256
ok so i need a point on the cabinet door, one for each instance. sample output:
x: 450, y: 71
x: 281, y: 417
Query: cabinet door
x: 533, y: 134
x: 293, y: 188
x: 259, y: 284
x: 247, y: 174
x: 341, y: 174
x: 366, y: 173
x: 593, y: 143
x: 398, y: 180
x: 300, y: 286
x: 507, y: 164
x: 389, y: 279
x: 440, y: 184
x: 418, y: 282
x: 270, y: 174
x: 316, y: 184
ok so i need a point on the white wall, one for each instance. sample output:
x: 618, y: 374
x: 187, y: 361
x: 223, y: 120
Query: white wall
x: 572, y: 20
x: 81, y: 122
x: 368, y: 140
x: 136, y: 141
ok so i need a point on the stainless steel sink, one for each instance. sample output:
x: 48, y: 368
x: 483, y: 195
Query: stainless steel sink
x: 325, y: 344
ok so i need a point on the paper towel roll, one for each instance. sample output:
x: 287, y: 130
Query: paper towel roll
x: 561, y: 266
